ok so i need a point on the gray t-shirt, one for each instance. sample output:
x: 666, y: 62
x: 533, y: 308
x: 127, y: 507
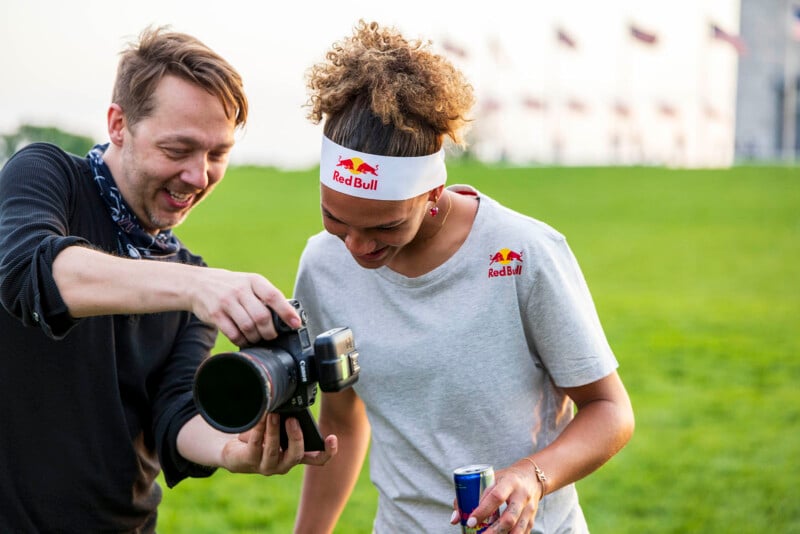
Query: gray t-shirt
x: 463, y: 364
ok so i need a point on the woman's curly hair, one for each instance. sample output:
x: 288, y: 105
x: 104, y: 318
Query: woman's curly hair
x: 383, y: 94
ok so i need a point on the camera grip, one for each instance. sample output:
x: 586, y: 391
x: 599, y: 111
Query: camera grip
x: 312, y: 439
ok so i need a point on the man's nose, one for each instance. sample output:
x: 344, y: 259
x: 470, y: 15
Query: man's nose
x: 196, y: 172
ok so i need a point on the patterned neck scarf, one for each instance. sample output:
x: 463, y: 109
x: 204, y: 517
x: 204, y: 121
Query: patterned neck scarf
x: 132, y: 240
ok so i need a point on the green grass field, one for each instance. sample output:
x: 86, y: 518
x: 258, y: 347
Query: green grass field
x: 695, y: 276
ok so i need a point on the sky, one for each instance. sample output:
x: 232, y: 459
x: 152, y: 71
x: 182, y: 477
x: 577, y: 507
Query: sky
x: 59, y: 60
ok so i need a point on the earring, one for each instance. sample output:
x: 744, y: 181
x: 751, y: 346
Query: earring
x: 434, y: 210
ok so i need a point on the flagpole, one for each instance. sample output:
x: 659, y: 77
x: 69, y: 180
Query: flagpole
x: 549, y: 119
x: 621, y: 97
x: 556, y: 114
x: 789, y: 89
x: 701, y: 129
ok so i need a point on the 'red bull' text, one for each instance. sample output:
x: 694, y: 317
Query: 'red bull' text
x: 506, y: 270
x: 355, y: 181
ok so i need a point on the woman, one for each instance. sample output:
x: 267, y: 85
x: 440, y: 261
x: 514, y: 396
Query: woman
x: 477, y: 334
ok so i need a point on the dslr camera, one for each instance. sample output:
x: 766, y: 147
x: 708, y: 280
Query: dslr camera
x: 233, y: 390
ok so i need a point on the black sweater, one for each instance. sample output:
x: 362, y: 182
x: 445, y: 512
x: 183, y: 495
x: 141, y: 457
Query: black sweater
x: 89, y: 409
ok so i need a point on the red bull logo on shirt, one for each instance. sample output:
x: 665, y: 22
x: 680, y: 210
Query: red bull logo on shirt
x: 505, y: 262
x: 356, y: 166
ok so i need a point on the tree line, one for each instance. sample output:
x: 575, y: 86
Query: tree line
x: 29, y: 133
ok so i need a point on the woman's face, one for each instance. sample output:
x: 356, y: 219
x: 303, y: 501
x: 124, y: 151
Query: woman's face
x: 374, y: 231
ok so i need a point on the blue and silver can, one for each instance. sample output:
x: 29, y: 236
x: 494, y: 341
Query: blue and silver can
x: 471, y: 482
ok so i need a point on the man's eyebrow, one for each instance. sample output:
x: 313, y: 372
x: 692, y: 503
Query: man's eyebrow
x: 193, y: 142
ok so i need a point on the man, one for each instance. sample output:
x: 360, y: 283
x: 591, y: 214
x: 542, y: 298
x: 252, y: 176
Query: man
x: 107, y: 315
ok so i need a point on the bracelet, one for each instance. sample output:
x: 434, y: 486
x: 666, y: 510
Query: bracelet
x: 539, y: 475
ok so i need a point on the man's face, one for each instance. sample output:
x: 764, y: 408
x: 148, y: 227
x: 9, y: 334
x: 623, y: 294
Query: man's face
x: 173, y: 158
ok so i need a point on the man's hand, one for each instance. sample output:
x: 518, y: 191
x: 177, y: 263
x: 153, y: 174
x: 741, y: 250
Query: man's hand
x: 256, y: 451
x: 238, y: 305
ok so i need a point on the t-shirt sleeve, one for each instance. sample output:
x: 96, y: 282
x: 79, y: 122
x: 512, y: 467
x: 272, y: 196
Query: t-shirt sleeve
x: 563, y: 321
x: 306, y: 287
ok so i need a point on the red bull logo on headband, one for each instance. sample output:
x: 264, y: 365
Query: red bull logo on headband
x: 356, y: 166
x: 505, y: 262
x: 379, y: 177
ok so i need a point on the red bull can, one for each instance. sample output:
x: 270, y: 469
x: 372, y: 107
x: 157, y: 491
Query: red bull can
x: 471, y: 482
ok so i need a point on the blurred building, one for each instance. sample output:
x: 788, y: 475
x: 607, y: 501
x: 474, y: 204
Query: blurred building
x: 648, y: 84
x: 767, y: 125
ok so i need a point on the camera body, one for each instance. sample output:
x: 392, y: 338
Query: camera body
x: 233, y: 390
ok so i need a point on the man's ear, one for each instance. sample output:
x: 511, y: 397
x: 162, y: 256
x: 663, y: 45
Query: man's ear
x: 116, y: 124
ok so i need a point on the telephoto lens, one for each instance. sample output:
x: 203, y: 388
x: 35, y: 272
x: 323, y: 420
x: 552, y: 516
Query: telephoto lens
x: 238, y: 387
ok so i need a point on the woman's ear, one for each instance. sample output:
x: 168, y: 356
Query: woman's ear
x: 435, y: 194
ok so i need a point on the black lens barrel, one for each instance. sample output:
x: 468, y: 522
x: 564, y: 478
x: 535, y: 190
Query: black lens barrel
x: 233, y: 390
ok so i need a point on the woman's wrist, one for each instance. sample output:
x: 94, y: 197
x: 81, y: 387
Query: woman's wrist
x: 540, y: 476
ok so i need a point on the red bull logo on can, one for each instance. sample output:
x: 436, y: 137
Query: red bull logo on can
x: 356, y: 166
x: 505, y: 262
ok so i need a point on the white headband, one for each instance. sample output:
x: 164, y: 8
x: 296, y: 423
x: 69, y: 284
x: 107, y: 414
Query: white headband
x: 379, y: 177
